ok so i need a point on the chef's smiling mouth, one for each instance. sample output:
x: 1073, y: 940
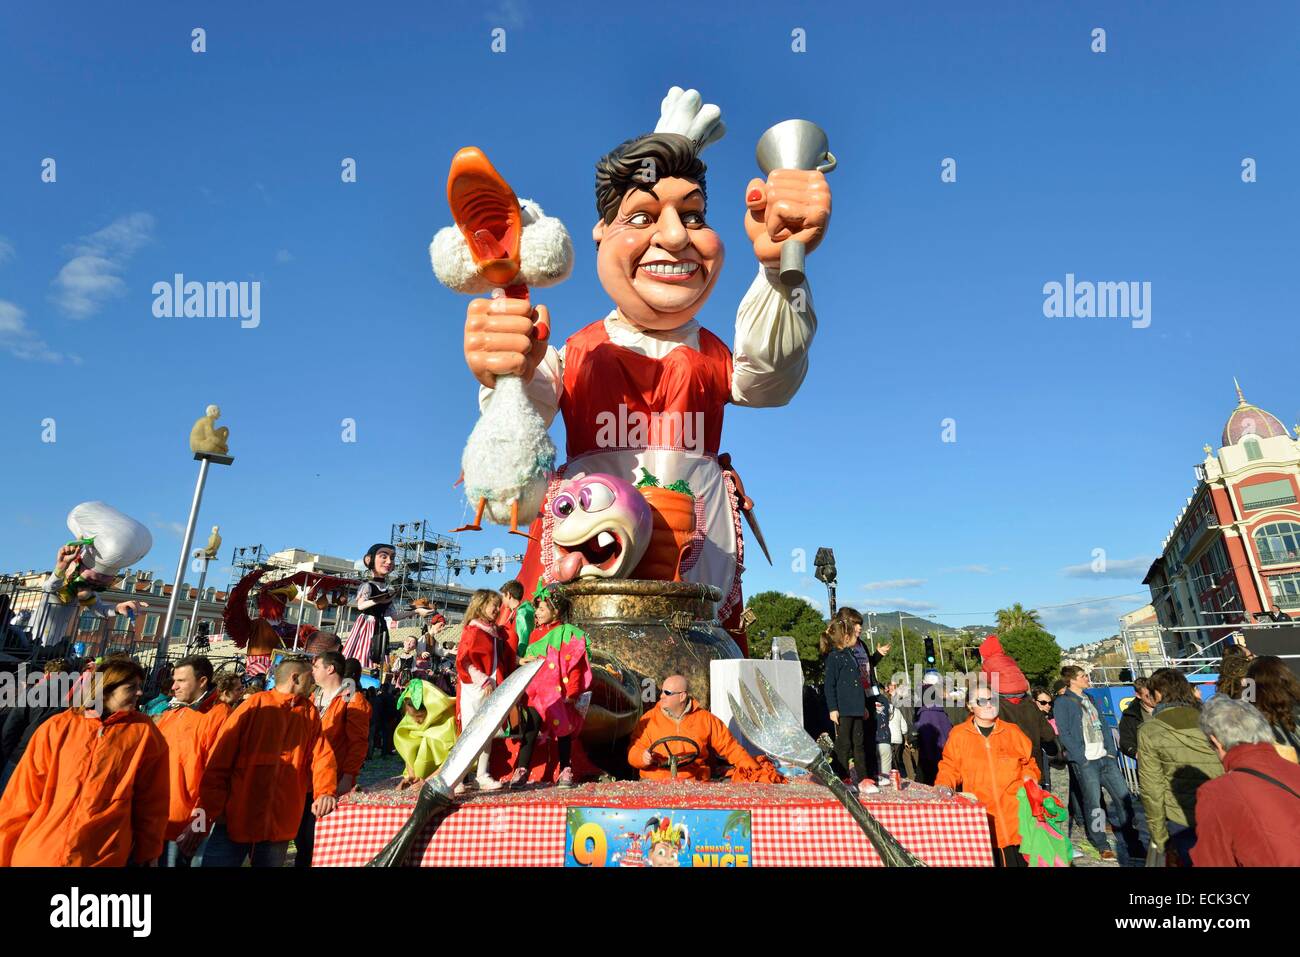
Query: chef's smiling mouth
x: 664, y: 270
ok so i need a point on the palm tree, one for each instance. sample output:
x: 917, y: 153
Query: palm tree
x: 1017, y: 616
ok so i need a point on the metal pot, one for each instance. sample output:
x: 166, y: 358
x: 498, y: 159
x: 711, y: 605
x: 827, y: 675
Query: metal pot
x: 639, y: 633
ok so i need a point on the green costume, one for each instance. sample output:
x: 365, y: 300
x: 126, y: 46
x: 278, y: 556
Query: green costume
x: 424, y: 745
x: 1044, y: 829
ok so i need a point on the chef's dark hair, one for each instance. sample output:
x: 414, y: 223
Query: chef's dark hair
x: 642, y: 161
x: 369, y: 559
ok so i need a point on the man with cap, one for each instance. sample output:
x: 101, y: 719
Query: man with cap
x: 105, y: 541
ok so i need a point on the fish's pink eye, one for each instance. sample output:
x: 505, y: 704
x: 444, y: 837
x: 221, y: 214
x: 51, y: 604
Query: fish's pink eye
x: 595, y: 497
x: 563, y: 506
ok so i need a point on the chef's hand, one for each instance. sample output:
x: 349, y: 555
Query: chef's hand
x: 67, y: 555
x: 505, y: 337
x: 792, y: 204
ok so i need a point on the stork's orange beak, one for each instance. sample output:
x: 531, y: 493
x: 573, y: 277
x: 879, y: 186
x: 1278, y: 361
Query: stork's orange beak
x: 486, y: 212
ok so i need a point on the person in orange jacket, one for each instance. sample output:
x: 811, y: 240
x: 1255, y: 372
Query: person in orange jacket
x: 345, y: 722
x: 91, y: 789
x: 990, y: 758
x: 267, y: 758
x: 190, y: 726
x: 679, y: 715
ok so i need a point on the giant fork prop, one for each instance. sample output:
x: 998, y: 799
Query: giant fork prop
x: 768, y: 722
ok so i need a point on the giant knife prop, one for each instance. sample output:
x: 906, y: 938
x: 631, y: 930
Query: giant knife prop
x: 436, y: 793
x: 768, y: 722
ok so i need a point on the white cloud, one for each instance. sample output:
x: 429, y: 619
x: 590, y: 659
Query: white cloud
x: 894, y: 583
x: 507, y: 13
x: 817, y: 606
x: 971, y: 569
x: 6, y: 250
x: 1101, y: 618
x: 284, y: 256
x: 18, y: 339
x: 900, y: 604
x: 91, y: 276
x: 1134, y: 568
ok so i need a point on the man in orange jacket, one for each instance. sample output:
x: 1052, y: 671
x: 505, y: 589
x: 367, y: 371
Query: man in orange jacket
x: 345, y: 722
x: 678, y: 715
x: 267, y: 758
x: 990, y: 758
x: 91, y: 788
x: 190, y: 725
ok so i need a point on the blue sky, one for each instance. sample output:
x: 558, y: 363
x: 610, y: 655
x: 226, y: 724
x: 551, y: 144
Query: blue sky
x: 1071, y: 434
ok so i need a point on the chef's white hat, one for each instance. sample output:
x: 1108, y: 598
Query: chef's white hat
x: 119, y: 539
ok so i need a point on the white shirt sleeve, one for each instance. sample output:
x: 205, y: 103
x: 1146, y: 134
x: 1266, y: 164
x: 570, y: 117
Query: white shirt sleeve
x: 543, y: 390
x: 775, y: 326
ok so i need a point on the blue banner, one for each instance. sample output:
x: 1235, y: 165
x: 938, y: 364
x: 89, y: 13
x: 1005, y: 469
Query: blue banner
x: 645, y: 837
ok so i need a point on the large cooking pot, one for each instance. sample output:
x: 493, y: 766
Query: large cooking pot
x: 639, y: 633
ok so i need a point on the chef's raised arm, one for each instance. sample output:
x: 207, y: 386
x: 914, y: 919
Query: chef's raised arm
x: 543, y: 390
x: 775, y: 326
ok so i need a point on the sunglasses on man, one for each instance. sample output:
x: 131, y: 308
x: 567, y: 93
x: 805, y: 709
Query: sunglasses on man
x: 983, y: 702
x: 668, y: 694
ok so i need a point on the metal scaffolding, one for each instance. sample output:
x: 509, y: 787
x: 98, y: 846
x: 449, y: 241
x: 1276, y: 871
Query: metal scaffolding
x: 422, y: 563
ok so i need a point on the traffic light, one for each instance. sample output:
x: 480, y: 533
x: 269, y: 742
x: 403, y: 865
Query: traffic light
x: 929, y: 652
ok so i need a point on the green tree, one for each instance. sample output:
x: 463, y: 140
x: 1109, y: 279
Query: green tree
x: 779, y: 614
x: 1035, y: 651
x: 1017, y: 616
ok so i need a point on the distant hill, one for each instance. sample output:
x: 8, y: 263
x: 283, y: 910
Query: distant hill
x: 888, y: 620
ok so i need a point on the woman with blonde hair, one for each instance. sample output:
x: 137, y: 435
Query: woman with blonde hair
x: 483, y: 659
x: 92, y: 787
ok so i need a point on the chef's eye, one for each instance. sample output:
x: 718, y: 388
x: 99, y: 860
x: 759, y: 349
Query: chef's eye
x: 639, y: 219
x: 595, y: 497
x: 563, y: 506
x: 693, y: 219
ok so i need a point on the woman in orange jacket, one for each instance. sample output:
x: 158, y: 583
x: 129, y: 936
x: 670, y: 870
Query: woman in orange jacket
x: 990, y: 758
x: 91, y: 789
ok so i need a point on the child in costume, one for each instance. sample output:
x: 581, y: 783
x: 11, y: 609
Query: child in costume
x: 483, y: 660
x: 368, y: 640
x: 427, y: 731
x: 553, y: 694
x: 106, y: 541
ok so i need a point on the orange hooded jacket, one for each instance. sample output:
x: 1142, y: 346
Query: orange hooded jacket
x: 89, y: 792
x: 993, y: 769
x: 346, y: 725
x: 708, y: 733
x: 191, y: 732
x: 267, y: 757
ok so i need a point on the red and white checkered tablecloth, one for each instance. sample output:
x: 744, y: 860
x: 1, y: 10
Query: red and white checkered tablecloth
x: 513, y: 830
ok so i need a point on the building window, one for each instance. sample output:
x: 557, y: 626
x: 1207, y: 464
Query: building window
x: 150, y: 625
x: 1278, y: 543
x: 178, y: 626
x: 119, y: 624
x: 1285, y: 590
x: 1267, y: 494
x: 1253, y: 454
x: 88, y: 622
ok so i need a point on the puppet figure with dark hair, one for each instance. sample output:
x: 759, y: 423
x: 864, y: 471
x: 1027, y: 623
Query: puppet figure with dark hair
x: 646, y: 385
x: 368, y: 640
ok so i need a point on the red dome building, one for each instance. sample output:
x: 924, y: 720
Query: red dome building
x: 1234, y: 551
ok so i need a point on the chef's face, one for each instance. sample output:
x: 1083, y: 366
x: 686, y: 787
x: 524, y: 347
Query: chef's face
x: 658, y: 259
x: 383, y: 562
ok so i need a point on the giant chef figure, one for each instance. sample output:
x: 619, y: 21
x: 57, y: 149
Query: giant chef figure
x: 649, y: 363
